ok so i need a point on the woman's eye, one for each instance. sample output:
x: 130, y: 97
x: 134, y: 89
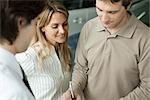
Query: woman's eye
x: 65, y: 24
x: 55, y: 26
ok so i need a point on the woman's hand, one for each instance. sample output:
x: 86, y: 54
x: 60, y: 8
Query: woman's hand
x: 67, y: 96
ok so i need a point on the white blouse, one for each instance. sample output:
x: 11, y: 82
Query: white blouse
x: 49, y: 82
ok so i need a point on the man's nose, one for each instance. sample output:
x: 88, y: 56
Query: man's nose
x: 105, y: 17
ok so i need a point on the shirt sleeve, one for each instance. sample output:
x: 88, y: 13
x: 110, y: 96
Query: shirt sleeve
x: 142, y: 91
x: 79, y: 76
x: 28, y: 61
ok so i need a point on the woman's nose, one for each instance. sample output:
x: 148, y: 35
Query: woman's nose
x: 61, y: 30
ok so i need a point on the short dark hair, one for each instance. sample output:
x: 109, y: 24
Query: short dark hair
x: 11, y: 10
x: 125, y: 3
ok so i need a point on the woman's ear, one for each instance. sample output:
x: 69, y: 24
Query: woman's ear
x: 21, y: 22
x: 43, y: 29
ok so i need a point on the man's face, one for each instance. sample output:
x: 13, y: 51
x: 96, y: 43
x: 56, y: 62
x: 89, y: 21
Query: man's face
x: 111, y: 15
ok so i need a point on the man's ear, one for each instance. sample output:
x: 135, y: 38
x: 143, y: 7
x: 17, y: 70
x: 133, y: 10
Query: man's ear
x: 21, y: 22
x: 129, y: 6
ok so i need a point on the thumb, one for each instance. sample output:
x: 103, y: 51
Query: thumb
x: 66, y: 95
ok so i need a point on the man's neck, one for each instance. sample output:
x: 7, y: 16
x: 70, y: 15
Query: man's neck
x: 8, y: 47
x: 119, y: 26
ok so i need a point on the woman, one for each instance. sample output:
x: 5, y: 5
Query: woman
x: 47, y: 62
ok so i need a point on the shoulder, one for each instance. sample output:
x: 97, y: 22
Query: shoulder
x: 29, y: 54
x: 11, y: 86
x: 139, y: 29
x: 90, y: 27
x: 142, y: 30
x: 93, y: 25
x: 92, y: 22
x: 140, y: 26
x: 28, y: 60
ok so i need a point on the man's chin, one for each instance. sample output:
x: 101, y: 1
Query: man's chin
x: 108, y: 26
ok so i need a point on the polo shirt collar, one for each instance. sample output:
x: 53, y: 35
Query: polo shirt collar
x: 99, y: 27
x: 129, y: 28
x: 126, y: 31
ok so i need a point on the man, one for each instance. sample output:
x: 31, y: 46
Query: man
x: 17, y: 26
x: 113, y: 56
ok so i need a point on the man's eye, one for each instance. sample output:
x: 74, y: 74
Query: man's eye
x: 112, y: 12
x: 99, y: 10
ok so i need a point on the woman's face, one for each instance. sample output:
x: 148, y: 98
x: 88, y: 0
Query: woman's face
x: 57, y: 29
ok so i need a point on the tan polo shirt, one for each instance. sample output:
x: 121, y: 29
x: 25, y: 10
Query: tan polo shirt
x: 111, y: 67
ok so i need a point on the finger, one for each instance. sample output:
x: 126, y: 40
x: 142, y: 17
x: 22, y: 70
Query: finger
x: 78, y: 97
x: 67, y: 95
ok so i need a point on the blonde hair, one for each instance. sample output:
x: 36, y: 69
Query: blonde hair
x: 63, y: 50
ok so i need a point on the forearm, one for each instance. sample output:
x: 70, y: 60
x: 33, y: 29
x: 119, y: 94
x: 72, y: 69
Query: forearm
x: 141, y: 92
x: 79, y: 78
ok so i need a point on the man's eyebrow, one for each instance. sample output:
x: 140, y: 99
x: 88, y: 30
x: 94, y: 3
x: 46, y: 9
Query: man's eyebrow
x: 108, y: 11
x: 98, y: 8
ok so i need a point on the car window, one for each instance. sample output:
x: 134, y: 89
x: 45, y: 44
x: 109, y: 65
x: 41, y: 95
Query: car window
x: 78, y: 4
x: 141, y: 10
